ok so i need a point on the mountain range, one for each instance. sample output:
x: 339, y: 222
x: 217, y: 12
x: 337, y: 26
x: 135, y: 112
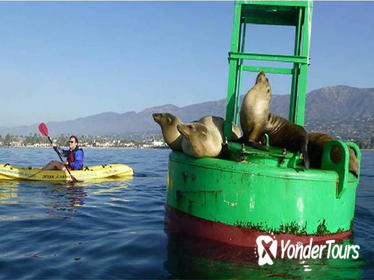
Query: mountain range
x: 329, y: 108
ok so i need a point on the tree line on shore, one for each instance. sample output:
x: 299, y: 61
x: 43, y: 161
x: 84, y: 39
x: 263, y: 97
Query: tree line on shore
x: 85, y: 140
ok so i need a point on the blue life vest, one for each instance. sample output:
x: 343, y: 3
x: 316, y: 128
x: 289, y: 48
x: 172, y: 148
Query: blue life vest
x: 75, y: 159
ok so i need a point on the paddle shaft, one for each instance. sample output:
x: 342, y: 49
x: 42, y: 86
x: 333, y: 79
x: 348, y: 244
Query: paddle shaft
x: 55, y: 148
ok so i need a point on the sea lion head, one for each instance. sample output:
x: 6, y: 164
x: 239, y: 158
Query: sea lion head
x: 263, y: 82
x: 261, y: 77
x: 165, y: 119
x: 202, y: 141
x: 168, y: 123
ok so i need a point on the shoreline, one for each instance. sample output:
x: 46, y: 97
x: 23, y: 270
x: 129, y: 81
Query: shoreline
x: 99, y: 148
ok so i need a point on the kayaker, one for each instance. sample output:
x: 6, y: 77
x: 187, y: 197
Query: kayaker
x: 74, y: 157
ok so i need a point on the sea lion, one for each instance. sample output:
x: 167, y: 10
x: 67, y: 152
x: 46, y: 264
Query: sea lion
x: 255, y: 110
x: 256, y: 119
x: 285, y: 134
x: 204, y: 138
x: 168, y: 123
x: 317, y: 140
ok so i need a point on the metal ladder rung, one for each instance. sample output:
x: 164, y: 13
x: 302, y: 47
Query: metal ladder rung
x: 273, y: 70
x: 269, y: 57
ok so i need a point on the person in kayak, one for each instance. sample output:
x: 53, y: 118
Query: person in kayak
x: 74, y: 157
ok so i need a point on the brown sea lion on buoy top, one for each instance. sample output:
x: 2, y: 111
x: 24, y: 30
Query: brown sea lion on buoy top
x: 285, y: 134
x: 255, y: 110
x: 317, y: 140
x: 204, y: 137
x: 256, y: 119
x: 168, y: 123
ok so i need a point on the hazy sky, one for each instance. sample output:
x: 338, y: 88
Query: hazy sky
x: 64, y: 60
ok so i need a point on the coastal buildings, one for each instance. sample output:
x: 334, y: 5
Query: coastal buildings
x: 85, y: 141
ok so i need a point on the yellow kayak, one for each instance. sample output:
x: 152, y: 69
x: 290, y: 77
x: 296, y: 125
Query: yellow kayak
x: 9, y: 172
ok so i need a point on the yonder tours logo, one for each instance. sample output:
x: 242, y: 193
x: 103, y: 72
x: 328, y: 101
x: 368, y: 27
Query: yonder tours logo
x: 267, y: 249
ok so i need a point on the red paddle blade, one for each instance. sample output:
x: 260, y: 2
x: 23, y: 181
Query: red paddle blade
x: 43, y: 129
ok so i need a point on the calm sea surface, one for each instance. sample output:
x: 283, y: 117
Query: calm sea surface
x: 116, y: 229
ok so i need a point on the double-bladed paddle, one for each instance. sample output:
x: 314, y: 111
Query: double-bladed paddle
x: 44, y: 131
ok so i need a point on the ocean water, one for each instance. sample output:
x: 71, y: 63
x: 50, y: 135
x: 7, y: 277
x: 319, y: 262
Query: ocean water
x: 115, y: 229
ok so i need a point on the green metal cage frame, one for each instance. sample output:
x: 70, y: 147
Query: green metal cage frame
x: 288, y: 13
